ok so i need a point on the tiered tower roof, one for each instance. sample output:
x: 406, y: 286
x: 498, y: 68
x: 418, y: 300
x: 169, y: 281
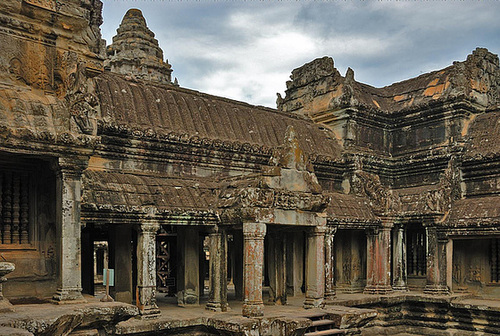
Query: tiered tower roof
x: 136, y: 52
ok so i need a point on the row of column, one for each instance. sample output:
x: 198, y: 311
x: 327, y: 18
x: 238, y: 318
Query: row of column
x: 69, y: 287
x: 319, y: 279
x: 379, y: 266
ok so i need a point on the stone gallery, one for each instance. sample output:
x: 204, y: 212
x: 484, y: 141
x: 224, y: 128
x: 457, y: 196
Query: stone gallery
x: 348, y: 209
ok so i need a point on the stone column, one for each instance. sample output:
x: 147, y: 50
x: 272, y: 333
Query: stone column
x: 329, y: 263
x: 122, y: 249
x: 378, y: 277
x: 437, y: 274
x: 238, y: 264
x: 188, y: 266
x: 146, y: 268
x: 276, y: 256
x: 315, y: 267
x: 218, y: 270
x: 253, y: 260
x: 295, y: 262
x: 399, y: 281
x: 68, y: 229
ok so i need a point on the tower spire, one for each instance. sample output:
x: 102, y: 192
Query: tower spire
x: 136, y: 52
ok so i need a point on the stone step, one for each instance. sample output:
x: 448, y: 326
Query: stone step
x: 326, y: 332
x: 321, y: 323
x: 314, y: 315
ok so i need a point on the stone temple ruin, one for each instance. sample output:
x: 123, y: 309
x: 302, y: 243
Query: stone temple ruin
x: 376, y: 209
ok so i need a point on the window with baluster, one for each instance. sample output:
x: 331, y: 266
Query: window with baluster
x: 16, y: 229
x: 416, y: 251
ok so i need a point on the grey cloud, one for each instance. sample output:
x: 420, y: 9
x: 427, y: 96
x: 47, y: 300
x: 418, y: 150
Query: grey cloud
x: 382, y: 41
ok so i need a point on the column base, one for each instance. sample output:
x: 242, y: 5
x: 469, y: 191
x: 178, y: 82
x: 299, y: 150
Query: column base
x: 400, y: 288
x: 150, y: 312
x: 331, y: 295
x: 253, y: 309
x: 436, y: 290
x: 217, y: 307
x: 314, y: 303
x: 330, y: 299
x: 68, y: 296
x: 378, y: 289
x: 344, y: 289
x: 188, y: 297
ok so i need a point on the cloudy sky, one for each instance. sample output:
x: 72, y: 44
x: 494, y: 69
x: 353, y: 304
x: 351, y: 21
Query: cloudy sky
x: 246, y: 50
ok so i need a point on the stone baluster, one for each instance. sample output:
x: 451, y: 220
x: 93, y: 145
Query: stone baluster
x: 315, y: 267
x: 68, y: 229
x: 24, y: 210
x: 7, y: 206
x: 253, y: 260
x: 218, y: 270
x: 399, y: 282
x: 329, y: 263
x: 146, y: 268
x: 16, y: 220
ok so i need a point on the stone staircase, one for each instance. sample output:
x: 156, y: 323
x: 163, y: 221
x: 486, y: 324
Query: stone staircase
x: 322, y: 325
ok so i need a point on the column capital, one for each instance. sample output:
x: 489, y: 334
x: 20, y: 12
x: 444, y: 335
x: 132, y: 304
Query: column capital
x: 331, y: 230
x: 255, y: 230
x: 317, y: 231
x: 148, y: 227
x: 216, y: 230
x: 73, y: 166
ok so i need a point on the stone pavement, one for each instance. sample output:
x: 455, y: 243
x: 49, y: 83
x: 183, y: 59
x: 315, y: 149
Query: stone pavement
x: 123, y: 319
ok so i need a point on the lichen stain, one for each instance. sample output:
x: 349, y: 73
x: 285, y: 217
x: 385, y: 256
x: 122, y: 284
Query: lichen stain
x: 320, y: 103
x: 480, y: 86
x: 98, y: 163
x: 375, y: 102
x: 433, y: 82
x: 467, y: 124
x: 399, y: 98
x: 436, y: 90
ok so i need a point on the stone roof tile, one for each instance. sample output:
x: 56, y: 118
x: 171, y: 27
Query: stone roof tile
x: 169, y: 108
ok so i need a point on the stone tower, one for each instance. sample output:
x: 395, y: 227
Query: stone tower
x: 135, y: 51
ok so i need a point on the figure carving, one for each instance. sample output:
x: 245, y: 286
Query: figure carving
x: 16, y: 69
x: 83, y: 104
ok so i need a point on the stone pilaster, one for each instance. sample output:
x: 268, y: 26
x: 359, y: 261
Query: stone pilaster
x: 218, y: 270
x: 253, y: 260
x: 315, y: 267
x: 399, y: 282
x: 68, y: 196
x: 329, y: 263
x: 437, y: 268
x: 146, y: 268
x: 378, y: 275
